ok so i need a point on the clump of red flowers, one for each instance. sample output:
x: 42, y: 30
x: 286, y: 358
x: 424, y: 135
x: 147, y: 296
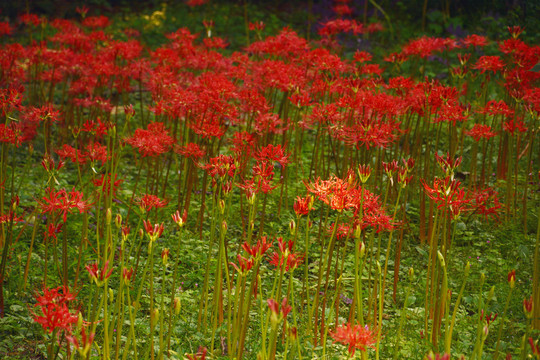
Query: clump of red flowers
x: 355, y: 336
x: 54, y: 313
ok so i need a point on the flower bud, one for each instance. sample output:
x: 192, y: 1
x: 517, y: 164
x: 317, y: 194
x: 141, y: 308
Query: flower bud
x: 362, y: 249
x: 224, y: 226
x: 118, y: 221
x: 154, y: 317
x: 222, y: 206
x: 292, y: 227
x: 111, y: 295
x: 411, y: 274
x: 108, y: 217
x: 512, y: 279
x: 165, y: 256
x: 177, y: 305
x: 467, y: 268
x: 79, y: 321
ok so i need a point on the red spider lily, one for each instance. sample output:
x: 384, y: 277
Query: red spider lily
x: 148, y: 202
x: 220, y: 166
x: 53, y: 229
x: 244, y: 265
x: 432, y: 356
x: 263, y: 174
x: 276, y: 309
x: 99, y: 275
x: 32, y: 19
x: 285, y: 256
x: 480, y: 131
x: 424, y: 46
x: 390, y: 168
x: 364, y: 172
x: 447, y: 164
x: 269, y: 123
x: 258, y: 250
x: 73, y: 154
x: 489, y: 63
x: 256, y: 26
x: 96, y: 152
x: 475, y: 40
x: 104, y: 183
x: 54, y: 312
x: 528, y: 307
x: 83, y: 347
x: 535, y: 348
x: 165, y: 256
x: 180, y: 220
x: 153, y: 231
x: 302, y: 206
x: 10, y: 134
x: 127, y: 274
x: 355, y: 336
x: 63, y: 202
x: 38, y: 114
x: 447, y: 194
x: 512, y: 278
x: 152, y: 142
x: 5, y: 28
x: 494, y: 107
x: 96, y: 22
x: 342, y: 9
x: 191, y: 150
x: 201, y: 353
x: 337, y: 26
x: 513, y: 125
x: 485, y: 202
x: 515, y: 31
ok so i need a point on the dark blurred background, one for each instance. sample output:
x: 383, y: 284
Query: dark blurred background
x: 434, y: 17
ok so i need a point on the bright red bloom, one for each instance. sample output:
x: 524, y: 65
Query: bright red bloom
x: 513, y: 125
x: 275, y: 308
x: 193, y: 3
x: 302, y: 206
x: 63, y: 202
x: 485, y: 202
x: 96, y: 22
x: 475, y: 40
x: 356, y: 337
x: 259, y: 249
x: 201, y: 353
x: 97, y: 274
x: 489, y: 63
x: 153, y: 231
x: 480, y: 131
x: 220, y: 165
x: 148, y: 202
x: 447, y: 194
x: 5, y: 28
x: 244, y: 265
x: 191, y: 150
x: 285, y: 256
x: 448, y: 164
x: 54, y: 312
x: 152, y: 142
x: 104, y: 183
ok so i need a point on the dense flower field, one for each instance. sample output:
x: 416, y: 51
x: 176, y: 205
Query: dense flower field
x: 289, y: 200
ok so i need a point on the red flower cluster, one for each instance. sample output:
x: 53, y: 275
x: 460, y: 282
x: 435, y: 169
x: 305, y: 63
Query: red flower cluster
x: 63, y: 202
x: 151, y: 142
x: 54, y: 312
x: 148, y: 202
x: 355, y: 336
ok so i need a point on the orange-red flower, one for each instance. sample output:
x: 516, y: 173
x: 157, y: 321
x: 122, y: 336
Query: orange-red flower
x: 356, y: 337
